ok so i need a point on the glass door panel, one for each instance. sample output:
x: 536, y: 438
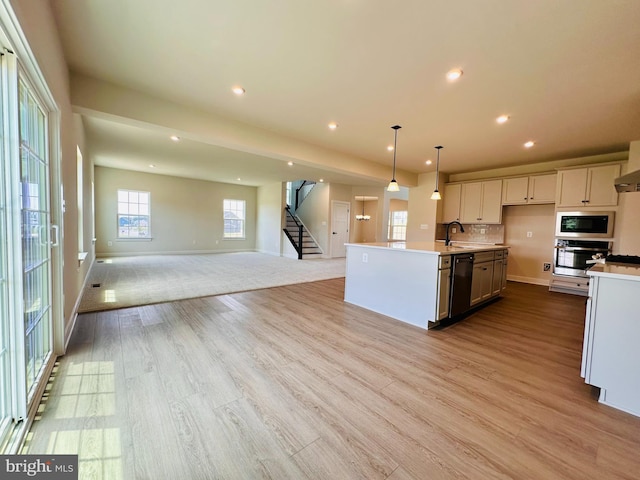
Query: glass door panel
x: 35, y: 224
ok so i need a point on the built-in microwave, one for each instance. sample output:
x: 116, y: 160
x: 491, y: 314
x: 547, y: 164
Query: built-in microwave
x: 585, y: 224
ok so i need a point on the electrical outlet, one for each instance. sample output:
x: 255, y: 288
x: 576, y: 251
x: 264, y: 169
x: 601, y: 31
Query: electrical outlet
x: 529, y: 234
x: 546, y: 267
x: 365, y: 257
x: 109, y: 243
x: 483, y: 231
x: 454, y: 229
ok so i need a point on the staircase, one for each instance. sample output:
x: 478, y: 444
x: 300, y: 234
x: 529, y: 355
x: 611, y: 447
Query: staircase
x: 299, y: 236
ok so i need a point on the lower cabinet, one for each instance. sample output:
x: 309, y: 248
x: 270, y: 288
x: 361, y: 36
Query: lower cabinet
x: 482, y: 280
x: 498, y: 273
x: 444, y: 291
x: 489, y: 275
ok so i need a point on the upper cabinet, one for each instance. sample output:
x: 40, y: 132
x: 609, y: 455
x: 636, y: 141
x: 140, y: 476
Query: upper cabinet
x: 451, y: 202
x: 529, y: 190
x: 588, y: 186
x: 481, y: 202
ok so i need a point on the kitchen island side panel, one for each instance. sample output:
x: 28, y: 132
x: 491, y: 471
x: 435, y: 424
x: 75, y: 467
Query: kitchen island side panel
x: 398, y: 283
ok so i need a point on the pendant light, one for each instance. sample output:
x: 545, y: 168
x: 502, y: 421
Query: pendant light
x: 436, y: 194
x: 393, y: 185
x: 363, y: 216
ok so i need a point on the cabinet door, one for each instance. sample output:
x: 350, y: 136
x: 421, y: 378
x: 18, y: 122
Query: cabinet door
x: 542, y: 188
x: 600, y: 185
x: 444, y: 289
x: 572, y: 186
x: 487, y: 280
x: 491, y: 211
x: 515, y: 191
x: 451, y: 202
x: 496, y: 281
x: 471, y: 196
x: 476, y: 284
x: 505, y: 261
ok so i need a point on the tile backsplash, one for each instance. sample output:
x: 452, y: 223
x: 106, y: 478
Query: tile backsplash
x: 478, y: 233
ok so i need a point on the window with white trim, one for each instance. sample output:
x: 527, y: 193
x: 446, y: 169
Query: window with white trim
x: 234, y: 218
x: 134, y: 214
x: 398, y: 225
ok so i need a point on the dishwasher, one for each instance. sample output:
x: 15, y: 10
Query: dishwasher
x: 461, y: 284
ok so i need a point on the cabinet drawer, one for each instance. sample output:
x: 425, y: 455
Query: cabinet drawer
x: 500, y: 254
x: 445, y: 262
x: 483, y: 257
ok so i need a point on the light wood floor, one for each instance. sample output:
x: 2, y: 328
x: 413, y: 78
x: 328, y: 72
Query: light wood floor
x: 293, y: 383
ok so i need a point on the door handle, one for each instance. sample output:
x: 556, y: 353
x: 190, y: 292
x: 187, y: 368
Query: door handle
x: 335, y: 233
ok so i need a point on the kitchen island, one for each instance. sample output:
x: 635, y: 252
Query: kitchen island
x: 610, y: 351
x: 411, y: 281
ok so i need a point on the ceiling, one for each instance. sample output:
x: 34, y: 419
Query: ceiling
x: 566, y: 72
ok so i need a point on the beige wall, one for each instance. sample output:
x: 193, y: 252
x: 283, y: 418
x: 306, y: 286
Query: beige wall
x: 627, y: 230
x: 364, y: 231
x: 270, y: 218
x: 527, y: 254
x: 423, y: 212
x: 37, y: 23
x: 186, y: 214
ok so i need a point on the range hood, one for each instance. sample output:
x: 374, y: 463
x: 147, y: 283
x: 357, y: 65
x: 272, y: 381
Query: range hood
x: 629, y: 182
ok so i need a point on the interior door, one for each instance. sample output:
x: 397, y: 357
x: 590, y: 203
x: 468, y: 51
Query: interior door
x: 339, y: 228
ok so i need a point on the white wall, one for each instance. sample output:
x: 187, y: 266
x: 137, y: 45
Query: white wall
x: 38, y: 24
x: 270, y: 218
x: 186, y: 214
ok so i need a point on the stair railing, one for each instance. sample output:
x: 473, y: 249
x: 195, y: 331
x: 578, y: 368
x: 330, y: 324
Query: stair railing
x: 297, y: 245
x: 299, y: 190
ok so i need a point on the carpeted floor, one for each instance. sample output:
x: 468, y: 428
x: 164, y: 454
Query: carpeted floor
x: 142, y: 280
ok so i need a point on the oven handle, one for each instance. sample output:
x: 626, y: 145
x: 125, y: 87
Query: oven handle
x: 576, y: 249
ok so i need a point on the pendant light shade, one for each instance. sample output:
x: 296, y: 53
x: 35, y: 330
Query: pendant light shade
x: 436, y: 194
x: 393, y: 185
x: 362, y: 216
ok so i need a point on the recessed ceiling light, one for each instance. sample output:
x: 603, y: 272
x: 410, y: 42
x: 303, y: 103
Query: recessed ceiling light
x: 390, y: 148
x: 238, y: 90
x: 502, y: 119
x: 175, y: 138
x: 239, y: 179
x: 151, y: 165
x: 454, y: 74
x: 290, y: 164
x: 428, y: 162
x: 529, y: 144
x: 333, y: 126
x: 321, y: 180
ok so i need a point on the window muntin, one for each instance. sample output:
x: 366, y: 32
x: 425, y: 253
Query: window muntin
x: 398, y: 225
x: 134, y: 209
x: 234, y: 218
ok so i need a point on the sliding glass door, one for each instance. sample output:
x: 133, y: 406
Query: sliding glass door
x: 35, y: 230
x: 26, y: 314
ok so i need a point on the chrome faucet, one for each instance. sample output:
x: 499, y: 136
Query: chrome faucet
x: 447, y: 240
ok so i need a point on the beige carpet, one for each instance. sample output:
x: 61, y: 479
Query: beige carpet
x: 142, y: 280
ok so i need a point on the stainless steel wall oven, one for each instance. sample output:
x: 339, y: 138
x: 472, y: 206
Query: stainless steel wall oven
x: 571, y: 256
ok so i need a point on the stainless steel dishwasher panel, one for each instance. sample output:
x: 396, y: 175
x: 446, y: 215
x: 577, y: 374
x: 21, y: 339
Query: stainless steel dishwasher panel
x: 461, y: 284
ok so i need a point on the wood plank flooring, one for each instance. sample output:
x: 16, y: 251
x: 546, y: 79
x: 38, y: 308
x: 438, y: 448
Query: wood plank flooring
x: 294, y: 383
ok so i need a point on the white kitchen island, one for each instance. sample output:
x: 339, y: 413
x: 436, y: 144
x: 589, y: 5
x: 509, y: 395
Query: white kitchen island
x: 611, y: 348
x: 411, y: 281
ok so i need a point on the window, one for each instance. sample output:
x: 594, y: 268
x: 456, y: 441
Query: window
x: 398, y: 225
x: 234, y: 216
x: 134, y: 214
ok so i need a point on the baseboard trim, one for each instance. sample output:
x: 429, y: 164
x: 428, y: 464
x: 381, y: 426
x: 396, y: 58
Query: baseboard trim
x: 531, y: 280
x: 174, y: 252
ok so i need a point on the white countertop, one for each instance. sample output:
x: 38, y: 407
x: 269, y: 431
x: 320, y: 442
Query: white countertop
x: 433, y: 248
x: 616, y: 270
